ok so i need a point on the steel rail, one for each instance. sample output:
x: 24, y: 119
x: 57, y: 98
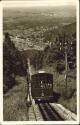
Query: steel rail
x: 48, y: 113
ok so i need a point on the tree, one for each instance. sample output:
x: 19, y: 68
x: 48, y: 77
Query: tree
x: 12, y: 63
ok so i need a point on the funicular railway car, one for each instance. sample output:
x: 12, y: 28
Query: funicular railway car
x: 42, y: 87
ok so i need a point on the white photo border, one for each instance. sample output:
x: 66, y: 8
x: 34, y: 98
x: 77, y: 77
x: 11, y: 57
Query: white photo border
x: 1, y: 77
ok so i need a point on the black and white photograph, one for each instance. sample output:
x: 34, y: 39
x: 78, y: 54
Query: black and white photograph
x: 40, y: 61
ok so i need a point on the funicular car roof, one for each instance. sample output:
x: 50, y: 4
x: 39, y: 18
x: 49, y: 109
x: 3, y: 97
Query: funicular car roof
x: 42, y: 74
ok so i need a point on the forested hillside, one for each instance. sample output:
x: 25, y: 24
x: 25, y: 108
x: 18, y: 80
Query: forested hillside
x: 12, y: 62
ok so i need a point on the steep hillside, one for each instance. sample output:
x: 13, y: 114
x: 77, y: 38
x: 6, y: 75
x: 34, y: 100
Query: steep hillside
x: 12, y: 63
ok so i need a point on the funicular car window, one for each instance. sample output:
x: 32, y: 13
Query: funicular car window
x: 42, y: 83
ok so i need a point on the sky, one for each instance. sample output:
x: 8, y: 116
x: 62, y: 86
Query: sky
x: 30, y: 3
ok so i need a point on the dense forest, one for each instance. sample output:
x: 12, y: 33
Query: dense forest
x: 12, y: 63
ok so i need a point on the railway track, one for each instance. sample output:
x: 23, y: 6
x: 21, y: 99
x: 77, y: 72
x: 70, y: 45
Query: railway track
x: 49, y: 113
x: 43, y: 112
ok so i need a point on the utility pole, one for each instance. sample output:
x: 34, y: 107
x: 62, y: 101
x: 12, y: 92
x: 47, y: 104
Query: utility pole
x: 66, y: 48
x: 66, y: 69
x: 66, y: 59
x: 29, y: 98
